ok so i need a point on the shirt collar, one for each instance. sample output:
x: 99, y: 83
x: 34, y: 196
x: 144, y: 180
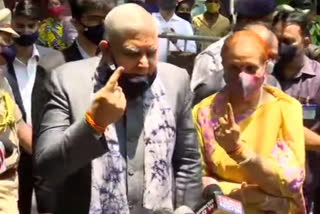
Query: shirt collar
x: 35, y: 54
x: 173, y: 18
x: 307, y: 68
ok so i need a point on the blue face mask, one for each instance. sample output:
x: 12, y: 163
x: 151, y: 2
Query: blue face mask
x: 27, y: 39
x: 9, y: 53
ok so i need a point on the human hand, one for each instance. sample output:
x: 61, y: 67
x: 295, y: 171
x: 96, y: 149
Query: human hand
x: 227, y: 133
x: 109, y: 102
x: 275, y: 205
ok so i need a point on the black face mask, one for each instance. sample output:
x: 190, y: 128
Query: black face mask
x: 27, y: 39
x: 132, y: 85
x: 185, y: 16
x: 287, y: 53
x: 9, y: 53
x: 167, y: 4
x: 94, y: 34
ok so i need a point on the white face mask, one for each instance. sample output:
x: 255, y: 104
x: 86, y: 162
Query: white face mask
x: 270, y: 65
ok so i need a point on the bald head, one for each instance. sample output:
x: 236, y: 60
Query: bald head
x: 267, y: 35
x: 127, y: 20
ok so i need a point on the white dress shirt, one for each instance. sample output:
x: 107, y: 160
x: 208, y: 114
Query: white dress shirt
x: 180, y: 26
x: 26, y: 75
x: 209, y: 63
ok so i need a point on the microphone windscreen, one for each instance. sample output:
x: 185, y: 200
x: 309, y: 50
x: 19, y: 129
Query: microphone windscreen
x: 183, y: 210
x: 211, y: 191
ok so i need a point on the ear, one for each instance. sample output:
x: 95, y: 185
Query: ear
x: 77, y: 25
x: 306, y: 41
x: 104, y: 46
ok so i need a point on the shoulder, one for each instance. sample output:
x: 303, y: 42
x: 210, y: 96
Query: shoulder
x: 5, y: 86
x: 170, y: 72
x: 283, y: 99
x: 198, y: 17
x: 181, y: 21
x: 215, y: 48
x: 203, y: 105
x: 315, y: 66
x: 50, y: 58
x: 224, y: 19
x: 176, y: 81
x: 77, y: 71
x: 156, y: 16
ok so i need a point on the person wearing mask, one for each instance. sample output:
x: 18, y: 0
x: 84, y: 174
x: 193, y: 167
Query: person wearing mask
x: 55, y: 31
x: 13, y: 130
x: 132, y: 147
x: 217, y: 83
x: 139, y: 2
x: 183, y: 9
x: 88, y: 16
x: 211, y: 23
x: 299, y: 76
x: 207, y: 75
x: 26, y: 76
x: 251, y: 135
x: 169, y: 22
x: 151, y: 6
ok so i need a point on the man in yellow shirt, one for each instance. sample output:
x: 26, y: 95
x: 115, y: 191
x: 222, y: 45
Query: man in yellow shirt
x: 211, y: 23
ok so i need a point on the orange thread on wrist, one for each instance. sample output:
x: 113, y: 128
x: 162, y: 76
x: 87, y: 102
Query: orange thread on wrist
x: 93, y: 124
x: 236, y: 151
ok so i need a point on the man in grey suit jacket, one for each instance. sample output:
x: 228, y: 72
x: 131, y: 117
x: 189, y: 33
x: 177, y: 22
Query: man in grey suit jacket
x: 120, y: 141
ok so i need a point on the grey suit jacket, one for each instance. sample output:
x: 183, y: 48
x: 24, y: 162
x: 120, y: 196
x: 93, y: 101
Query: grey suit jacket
x: 66, y: 144
x: 49, y: 59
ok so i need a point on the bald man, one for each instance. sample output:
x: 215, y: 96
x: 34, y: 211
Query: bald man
x: 118, y: 130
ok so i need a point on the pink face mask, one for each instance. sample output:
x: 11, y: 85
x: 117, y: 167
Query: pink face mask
x: 250, y: 84
x: 246, y: 85
x: 56, y: 11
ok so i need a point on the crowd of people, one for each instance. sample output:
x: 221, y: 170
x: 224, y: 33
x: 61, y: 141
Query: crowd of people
x: 95, y: 118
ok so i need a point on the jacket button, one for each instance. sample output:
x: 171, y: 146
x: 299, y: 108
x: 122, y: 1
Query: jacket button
x: 130, y: 172
x: 130, y: 205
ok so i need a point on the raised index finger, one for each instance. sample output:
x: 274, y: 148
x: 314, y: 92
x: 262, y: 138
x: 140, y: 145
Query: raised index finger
x: 231, y: 119
x: 113, y: 80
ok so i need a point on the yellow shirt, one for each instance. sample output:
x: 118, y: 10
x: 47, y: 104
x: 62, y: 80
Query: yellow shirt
x: 274, y: 131
x: 202, y: 28
x: 9, y: 178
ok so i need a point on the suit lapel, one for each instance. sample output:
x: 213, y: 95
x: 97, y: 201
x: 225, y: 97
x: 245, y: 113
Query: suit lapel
x: 12, y: 79
x: 72, y: 53
x: 39, y: 97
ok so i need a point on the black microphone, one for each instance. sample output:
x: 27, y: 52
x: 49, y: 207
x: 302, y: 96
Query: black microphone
x: 217, y: 203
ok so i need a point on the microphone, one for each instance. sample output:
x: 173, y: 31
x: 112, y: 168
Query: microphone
x: 218, y: 203
x: 183, y: 210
